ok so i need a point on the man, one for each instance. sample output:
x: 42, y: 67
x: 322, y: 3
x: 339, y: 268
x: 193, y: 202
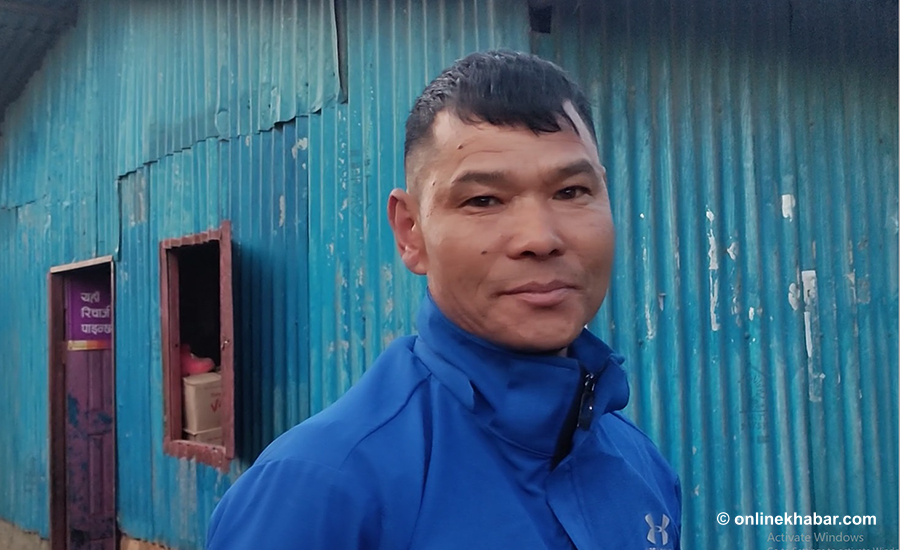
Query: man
x: 495, y: 427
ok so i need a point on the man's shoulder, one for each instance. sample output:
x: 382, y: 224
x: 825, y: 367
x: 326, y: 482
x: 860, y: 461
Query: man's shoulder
x: 328, y: 480
x: 384, y: 399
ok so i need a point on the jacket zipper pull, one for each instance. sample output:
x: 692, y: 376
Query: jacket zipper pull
x: 586, y: 412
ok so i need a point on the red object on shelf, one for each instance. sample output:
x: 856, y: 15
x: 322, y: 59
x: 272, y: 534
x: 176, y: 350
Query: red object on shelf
x: 191, y: 364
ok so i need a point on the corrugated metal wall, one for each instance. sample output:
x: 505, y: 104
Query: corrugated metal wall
x: 258, y: 182
x: 135, y: 81
x: 25, y: 37
x: 747, y: 149
x: 356, y: 153
x: 23, y: 390
x: 752, y: 158
x: 123, y: 139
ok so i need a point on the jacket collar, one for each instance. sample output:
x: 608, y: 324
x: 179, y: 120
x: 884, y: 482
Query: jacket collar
x: 522, y: 398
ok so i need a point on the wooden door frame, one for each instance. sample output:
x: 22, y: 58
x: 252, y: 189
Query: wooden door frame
x: 56, y: 323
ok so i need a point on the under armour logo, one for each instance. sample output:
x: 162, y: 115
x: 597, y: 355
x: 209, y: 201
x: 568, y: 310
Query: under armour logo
x: 654, y: 529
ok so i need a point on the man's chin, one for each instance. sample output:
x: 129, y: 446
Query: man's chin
x: 542, y: 343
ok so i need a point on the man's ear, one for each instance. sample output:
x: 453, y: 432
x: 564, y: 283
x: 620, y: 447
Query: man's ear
x: 403, y: 215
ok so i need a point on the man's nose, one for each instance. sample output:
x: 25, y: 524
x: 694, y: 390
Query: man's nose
x: 535, y: 231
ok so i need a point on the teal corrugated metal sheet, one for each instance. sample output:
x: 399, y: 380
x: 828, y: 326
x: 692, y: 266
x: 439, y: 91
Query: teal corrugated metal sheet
x: 226, y: 68
x: 50, y: 174
x: 116, y: 125
x: 732, y: 143
x: 750, y: 148
x: 266, y: 198
x: 124, y: 97
x: 25, y: 38
x: 23, y: 392
x: 259, y: 183
x: 176, y: 196
x: 367, y: 297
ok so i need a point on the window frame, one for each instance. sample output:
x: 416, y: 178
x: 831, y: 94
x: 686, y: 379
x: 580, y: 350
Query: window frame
x: 174, y: 444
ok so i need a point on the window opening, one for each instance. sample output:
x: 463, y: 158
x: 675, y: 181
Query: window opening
x: 196, y: 308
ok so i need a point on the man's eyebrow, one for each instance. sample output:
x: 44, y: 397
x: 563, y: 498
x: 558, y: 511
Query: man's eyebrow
x: 498, y: 176
x: 478, y: 176
x: 574, y: 169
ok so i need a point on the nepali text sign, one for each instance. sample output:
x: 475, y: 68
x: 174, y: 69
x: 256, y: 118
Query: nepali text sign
x: 89, y: 313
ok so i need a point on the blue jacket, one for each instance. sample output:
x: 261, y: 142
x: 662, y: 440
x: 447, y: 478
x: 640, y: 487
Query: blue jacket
x: 450, y: 442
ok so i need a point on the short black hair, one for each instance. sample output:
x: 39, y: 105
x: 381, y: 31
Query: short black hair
x: 502, y: 88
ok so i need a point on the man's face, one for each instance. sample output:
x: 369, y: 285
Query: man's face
x: 512, y: 229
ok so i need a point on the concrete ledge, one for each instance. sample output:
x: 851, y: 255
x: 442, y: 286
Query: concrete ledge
x: 13, y: 538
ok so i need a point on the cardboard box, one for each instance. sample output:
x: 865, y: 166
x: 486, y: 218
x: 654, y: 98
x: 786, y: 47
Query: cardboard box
x: 202, y: 401
x: 211, y: 437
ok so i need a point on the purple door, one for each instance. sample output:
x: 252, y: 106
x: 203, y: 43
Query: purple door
x: 90, y: 443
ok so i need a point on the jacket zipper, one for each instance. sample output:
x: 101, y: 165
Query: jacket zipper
x: 586, y: 411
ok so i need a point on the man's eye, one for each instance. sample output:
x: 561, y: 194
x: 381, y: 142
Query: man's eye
x: 570, y: 193
x: 482, y: 202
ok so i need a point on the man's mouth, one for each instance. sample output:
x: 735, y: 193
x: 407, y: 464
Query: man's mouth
x: 538, y: 294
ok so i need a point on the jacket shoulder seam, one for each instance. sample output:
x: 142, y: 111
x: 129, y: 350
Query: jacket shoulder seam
x: 412, y: 392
